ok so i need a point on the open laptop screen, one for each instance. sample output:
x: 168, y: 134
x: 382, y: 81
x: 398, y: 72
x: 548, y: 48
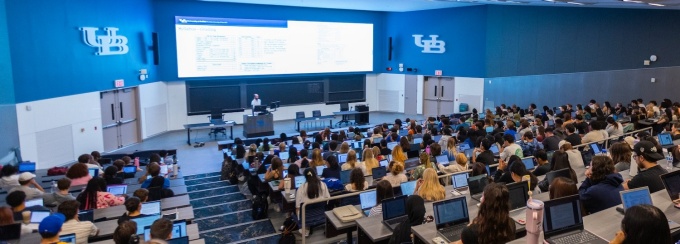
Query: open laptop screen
x: 145, y: 221
x: 519, y: 194
x: 130, y: 169
x: 68, y: 238
x: 443, y: 159
x: 283, y: 156
x: 94, y: 172
x: 34, y: 202
x: 596, y: 148
x: 459, y: 180
x: 379, y: 172
x: 672, y: 183
x: 342, y: 158
x: 407, y: 188
x: 394, y: 207
x: 344, y: 176
x: 450, y: 212
x: 477, y: 184
x: 528, y: 163
x: 26, y: 167
x: 368, y: 199
x: 151, y: 208
x: 494, y: 148
x: 635, y: 196
x: 117, y: 189
x: 391, y: 145
x: 37, y: 216
x: 562, y: 214
x: 665, y: 139
x: 384, y: 163
x: 299, y: 180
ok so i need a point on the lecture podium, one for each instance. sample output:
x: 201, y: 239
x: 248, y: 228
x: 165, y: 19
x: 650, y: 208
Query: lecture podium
x: 258, y: 125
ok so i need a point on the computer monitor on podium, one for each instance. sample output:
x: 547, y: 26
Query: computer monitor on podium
x: 260, y: 109
x: 344, y: 106
x: 274, y: 105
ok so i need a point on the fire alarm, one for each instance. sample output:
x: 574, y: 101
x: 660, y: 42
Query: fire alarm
x: 389, y: 68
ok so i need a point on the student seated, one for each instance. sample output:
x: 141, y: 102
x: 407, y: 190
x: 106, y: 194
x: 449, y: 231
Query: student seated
x: 161, y: 231
x: 154, y: 170
x: 26, y: 180
x: 82, y: 229
x: 493, y: 213
x: 622, y: 154
x: 332, y: 169
x: 562, y: 187
x: 510, y: 148
x: 425, y: 163
x: 317, y: 159
x: 461, y: 164
x: 133, y: 205
x: 382, y: 191
x: 142, y: 194
x: 54, y: 199
x: 111, y: 176
x: 357, y: 182
x: 519, y: 172
x: 95, y: 196
x: 415, y: 208
x: 156, y: 190
x: 50, y: 228
x: 574, y: 155
x: 601, y: 188
x: 124, y: 232
x: 352, y: 162
x: 485, y: 154
x: 529, y: 144
x: 396, y: 174
x: 79, y: 174
x: 10, y: 178
x: 17, y: 200
x: 369, y: 161
x: 429, y: 188
x: 643, y: 224
x: 310, y: 190
x: 503, y: 174
x: 646, y: 155
x: 543, y: 164
x: 275, y: 170
x: 7, y: 218
x: 293, y: 170
x: 560, y: 160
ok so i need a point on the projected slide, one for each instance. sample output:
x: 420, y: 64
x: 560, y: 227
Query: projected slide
x: 236, y: 47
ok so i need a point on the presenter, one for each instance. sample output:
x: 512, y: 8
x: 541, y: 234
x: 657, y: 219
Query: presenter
x: 256, y: 101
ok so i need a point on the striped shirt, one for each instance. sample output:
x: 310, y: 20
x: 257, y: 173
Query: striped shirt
x: 83, y: 230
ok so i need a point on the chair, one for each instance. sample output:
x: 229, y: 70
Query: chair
x: 316, y: 113
x: 217, y: 117
x: 315, y: 215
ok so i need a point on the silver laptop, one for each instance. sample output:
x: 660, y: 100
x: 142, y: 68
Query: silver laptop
x: 450, y: 217
x: 460, y: 182
x: 151, y: 208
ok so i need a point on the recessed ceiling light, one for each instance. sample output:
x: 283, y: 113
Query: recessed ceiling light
x: 575, y: 3
x: 632, y: 1
x: 656, y: 4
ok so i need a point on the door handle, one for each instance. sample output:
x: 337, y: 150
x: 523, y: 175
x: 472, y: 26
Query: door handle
x: 435, y: 91
x: 113, y: 111
x: 442, y: 92
x: 121, y: 109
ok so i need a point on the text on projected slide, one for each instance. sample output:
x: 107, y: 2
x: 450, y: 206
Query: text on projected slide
x: 236, y: 47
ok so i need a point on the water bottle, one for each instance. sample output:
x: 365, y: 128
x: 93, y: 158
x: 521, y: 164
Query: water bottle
x: 175, y: 168
x: 669, y: 158
x: 54, y: 186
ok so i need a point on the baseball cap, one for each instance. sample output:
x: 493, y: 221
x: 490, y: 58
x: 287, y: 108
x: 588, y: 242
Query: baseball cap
x: 51, y: 224
x: 630, y: 140
x: 26, y: 176
x: 648, y: 150
x: 642, y: 134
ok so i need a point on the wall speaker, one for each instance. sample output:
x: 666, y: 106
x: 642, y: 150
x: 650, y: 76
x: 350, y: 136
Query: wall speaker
x: 389, y: 50
x: 154, y: 48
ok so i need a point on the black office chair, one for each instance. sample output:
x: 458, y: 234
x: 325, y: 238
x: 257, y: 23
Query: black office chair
x: 316, y: 113
x: 217, y: 117
x: 345, y: 118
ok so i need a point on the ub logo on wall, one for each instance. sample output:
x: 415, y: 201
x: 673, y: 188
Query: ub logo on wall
x: 109, y: 44
x: 430, y: 46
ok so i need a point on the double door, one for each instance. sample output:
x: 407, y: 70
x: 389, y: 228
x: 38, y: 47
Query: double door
x: 438, y: 96
x: 119, y: 118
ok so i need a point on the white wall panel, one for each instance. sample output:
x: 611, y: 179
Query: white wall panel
x: 467, y: 87
x: 155, y: 96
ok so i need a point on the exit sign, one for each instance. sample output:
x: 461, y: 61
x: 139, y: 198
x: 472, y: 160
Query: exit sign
x: 119, y: 83
x: 438, y: 72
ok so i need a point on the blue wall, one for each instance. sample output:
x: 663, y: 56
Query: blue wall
x: 166, y: 10
x: 463, y: 30
x: 8, y: 120
x: 50, y: 59
x: 548, y: 40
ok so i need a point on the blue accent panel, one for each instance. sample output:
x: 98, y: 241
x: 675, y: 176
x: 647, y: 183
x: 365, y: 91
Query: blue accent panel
x: 167, y: 10
x: 9, y: 128
x: 50, y: 59
x: 548, y: 40
x: 6, y: 79
x: 463, y: 30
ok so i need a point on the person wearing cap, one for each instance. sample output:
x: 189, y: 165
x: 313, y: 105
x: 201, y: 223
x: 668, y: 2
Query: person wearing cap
x: 26, y: 180
x: 50, y: 227
x: 17, y: 200
x: 646, y: 155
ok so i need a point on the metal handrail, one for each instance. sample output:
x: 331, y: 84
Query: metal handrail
x: 606, y: 140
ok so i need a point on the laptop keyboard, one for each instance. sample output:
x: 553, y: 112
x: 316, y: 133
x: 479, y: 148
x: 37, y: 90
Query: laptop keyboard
x: 582, y: 237
x: 451, y: 233
x: 396, y: 221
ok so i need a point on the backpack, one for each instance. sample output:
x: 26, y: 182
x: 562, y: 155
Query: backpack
x: 287, y: 236
x: 259, y: 207
x: 333, y: 184
x: 57, y: 171
x: 227, y: 170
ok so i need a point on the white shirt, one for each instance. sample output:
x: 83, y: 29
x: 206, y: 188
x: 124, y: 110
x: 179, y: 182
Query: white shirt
x: 83, y: 230
x: 256, y: 102
x: 301, y: 194
x: 512, y: 149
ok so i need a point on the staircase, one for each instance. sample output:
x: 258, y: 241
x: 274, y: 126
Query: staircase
x: 223, y: 214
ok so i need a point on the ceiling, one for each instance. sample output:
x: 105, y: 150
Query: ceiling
x: 415, y: 5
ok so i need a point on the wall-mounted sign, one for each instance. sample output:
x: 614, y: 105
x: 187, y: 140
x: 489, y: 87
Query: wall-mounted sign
x: 109, y: 44
x: 430, y: 46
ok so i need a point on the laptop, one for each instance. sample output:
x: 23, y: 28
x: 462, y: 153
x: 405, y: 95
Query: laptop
x: 298, y: 146
x: 666, y: 140
x: 407, y: 188
x: 450, y: 217
x: 86, y: 215
x: 529, y: 163
x: 36, y: 217
x: 27, y: 167
x: 388, y: 157
x: 634, y: 197
x: 164, y: 169
x: 342, y: 158
x: 151, y: 208
x: 391, y: 145
x: 378, y: 172
x: 319, y: 170
x: 394, y: 211
x: 672, y: 183
x: 384, y: 163
x: 143, y: 222
x: 117, y: 189
x: 68, y: 238
x: 476, y: 185
x: 563, y: 222
x: 460, y: 182
x: 344, y: 176
x: 442, y: 159
x: 93, y: 172
x: 519, y: 195
x: 130, y: 169
x: 367, y: 200
x: 595, y: 148
x: 356, y: 144
x: 417, y: 141
x: 489, y: 129
x: 558, y: 173
x: 491, y: 170
x: 494, y: 149
x: 10, y: 232
x: 283, y: 156
x: 463, y: 147
x: 34, y: 202
x: 299, y: 180
x: 468, y: 153
x: 179, y: 229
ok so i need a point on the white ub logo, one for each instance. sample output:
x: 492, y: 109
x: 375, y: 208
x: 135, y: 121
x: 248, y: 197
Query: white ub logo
x: 109, y: 44
x: 430, y: 46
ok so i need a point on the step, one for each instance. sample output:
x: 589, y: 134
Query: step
x: 240, y: 232
x: 267, y: 239
x: 202, y: 180
x: 220, y: 221
x: 213, y: 192
x: 197, y: 176
x: 205, y: 186
x: 215, y: 200
x: 222, y: 208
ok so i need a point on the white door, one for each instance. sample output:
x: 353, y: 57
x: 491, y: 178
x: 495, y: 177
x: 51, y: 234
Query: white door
x: 411, y: 95
x: 446, y: 97
x: 119, y: 118
x: 430, y: 96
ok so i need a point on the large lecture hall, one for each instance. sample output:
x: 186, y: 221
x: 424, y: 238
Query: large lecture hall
x: 340, y: 121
